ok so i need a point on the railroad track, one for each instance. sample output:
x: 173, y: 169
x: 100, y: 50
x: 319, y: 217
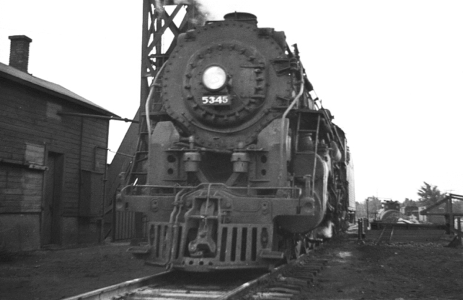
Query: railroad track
x: 284, y: 282
x: 174, y: 285
x: 289, y: 282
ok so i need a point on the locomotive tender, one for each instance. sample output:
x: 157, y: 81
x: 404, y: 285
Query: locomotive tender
x: 243, y: 164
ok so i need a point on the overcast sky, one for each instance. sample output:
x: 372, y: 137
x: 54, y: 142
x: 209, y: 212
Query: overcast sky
x: 391, y: 72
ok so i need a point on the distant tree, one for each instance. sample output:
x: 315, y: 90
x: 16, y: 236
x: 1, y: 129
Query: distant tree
x: 409, y: 202
x: 429, y: 194
x: 360, y: 209
x: 374, y: 203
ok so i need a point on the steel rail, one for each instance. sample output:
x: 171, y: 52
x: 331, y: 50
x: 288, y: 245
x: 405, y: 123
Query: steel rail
x: 119, y: 289
x: 161, y: 286
x: 298, y: 271
x: 172, y: 285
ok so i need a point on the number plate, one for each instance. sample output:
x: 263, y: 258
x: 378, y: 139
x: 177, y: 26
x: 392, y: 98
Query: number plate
x: 216, y: 100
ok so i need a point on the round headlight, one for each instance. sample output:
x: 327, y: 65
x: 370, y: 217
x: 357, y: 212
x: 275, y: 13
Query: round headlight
x: 214, y: 78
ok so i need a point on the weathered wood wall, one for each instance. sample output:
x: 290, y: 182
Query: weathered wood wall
x: 31, y: 127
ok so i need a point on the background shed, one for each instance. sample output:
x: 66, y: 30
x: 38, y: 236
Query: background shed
x: 53, y: 152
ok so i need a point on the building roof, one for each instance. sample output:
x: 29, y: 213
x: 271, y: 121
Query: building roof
x: 50, y: 88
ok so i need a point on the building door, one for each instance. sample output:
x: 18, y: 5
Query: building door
x: 51, y: 209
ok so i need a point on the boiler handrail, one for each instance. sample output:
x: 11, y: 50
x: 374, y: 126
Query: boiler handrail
x: 148, y: 100
x: 282, y: 129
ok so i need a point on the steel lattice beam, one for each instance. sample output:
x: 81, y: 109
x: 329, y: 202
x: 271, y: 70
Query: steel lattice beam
x: 157, y: 22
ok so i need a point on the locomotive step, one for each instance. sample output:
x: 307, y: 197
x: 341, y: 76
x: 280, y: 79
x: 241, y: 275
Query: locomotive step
x: 139, y: 249
x: 265, y: 254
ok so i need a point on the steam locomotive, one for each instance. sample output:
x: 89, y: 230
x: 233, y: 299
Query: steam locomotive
x: 392, y: 212
x: 389, y: 212
x: 244, y: 166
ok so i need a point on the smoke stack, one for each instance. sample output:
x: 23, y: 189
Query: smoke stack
x: 241, y: 16
x: 19, y: 52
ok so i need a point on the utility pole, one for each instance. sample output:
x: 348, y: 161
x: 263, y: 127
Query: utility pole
x: 368, y: 199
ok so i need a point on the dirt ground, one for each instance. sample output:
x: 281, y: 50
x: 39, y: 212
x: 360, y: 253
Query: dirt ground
x: 57, y: 274
x: 355, y: 271
x: 389, y: 271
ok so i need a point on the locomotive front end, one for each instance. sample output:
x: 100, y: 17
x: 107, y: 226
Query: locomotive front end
x: 222, y: 82
x: 239, y: 158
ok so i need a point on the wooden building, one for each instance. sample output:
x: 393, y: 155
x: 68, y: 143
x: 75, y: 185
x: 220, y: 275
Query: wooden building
x: 53, y: 148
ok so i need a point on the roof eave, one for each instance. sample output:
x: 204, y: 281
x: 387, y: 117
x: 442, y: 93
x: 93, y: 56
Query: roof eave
x: 56, y: 94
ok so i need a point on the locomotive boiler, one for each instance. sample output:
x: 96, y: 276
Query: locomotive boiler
x: 244, y: 166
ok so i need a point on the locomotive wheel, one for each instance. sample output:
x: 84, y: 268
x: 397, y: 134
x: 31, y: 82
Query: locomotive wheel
x: 345, y: 225
x: 295, y: 247
x: 288, y: 247
x: 301, y: 247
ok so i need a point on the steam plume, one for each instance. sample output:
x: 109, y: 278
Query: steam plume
x: 199, y: 11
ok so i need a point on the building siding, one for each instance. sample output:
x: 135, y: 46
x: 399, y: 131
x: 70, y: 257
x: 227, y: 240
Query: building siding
x: 30, y: 128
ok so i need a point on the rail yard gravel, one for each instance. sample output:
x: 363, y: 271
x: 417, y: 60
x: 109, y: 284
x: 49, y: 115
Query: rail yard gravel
x: 354, y: 271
